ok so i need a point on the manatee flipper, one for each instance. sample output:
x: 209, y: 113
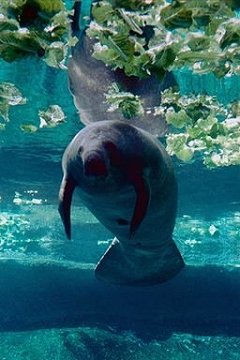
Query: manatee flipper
x: 143, y: 193
x: 65, y: 199
x: 128, y: 265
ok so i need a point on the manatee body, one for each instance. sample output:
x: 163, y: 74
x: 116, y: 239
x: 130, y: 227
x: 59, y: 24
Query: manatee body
x: 126, y: 179
x: 90, y: 79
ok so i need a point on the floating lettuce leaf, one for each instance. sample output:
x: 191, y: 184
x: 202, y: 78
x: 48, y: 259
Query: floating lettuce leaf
x: 201, y: 39
x: 196, y: 106
x: 4, y: 110
x: 28, y: 128
x: 49, y: 6
x: 7, y: 24
x: 58, y: 26
x: 119, y: 51
x: 117, y: 47
x: 229, y: 33
x: 101, y: 13
x: 196, y: 130
x: 29, y: 10
x: 198, y: 42
x: 51, y: 117
x: 108, y: 56
x: 129, y: 104
x: 133, y: 4
x: 176, y: 16
x: 223, y: 158
x: 187, y: 13
x: 177, y: 145
x: 235, y: 109
x: 33, y: 27
x: 185, y: 154
x: 161, y: 60
x: 130, y: 21
x: 178, y: 119
x: 139, y: 66
x: 55, y: 55
x: 9, y: 96
x: 207, y: 124
x: 15, y: 44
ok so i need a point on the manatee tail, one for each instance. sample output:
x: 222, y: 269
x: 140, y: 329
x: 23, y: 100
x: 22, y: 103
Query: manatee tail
x: 138, y: 267
x: 65, y: 199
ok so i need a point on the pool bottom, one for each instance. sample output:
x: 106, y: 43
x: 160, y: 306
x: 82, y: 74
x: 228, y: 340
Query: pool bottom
x: 201, y: 300
x: 94, y: 343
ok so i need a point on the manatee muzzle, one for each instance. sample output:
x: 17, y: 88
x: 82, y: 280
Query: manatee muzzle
x: 94, y: 164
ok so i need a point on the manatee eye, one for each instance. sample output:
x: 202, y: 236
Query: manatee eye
x: 121, y: 221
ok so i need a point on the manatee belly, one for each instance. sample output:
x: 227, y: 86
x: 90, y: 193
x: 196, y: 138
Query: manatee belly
x: 114, y: 209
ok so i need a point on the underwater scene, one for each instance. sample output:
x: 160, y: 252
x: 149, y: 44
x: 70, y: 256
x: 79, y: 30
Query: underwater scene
x: 52, y: 306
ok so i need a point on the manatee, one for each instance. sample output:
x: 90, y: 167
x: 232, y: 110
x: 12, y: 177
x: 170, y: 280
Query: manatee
x: 90, y: 79
x: 126, y: 179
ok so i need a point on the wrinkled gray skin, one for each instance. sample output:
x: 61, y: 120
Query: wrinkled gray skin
x: 90, y: 79
x: 126, y: 179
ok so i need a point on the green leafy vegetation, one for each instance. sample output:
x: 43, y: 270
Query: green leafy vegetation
x: 200, y: 127
x: 34, y: 27
x: 9, y: 96
x: 151, y: 37
x: 143, y: 38
x: 49, y: 118
x: 39, y: 28
x: 129, y: 104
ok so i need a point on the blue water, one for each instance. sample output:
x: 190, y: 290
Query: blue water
x: 40, y: 320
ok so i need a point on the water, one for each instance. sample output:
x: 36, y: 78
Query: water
x: 50, y: 304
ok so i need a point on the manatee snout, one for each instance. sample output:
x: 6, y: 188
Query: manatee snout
x: 95, y: 164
